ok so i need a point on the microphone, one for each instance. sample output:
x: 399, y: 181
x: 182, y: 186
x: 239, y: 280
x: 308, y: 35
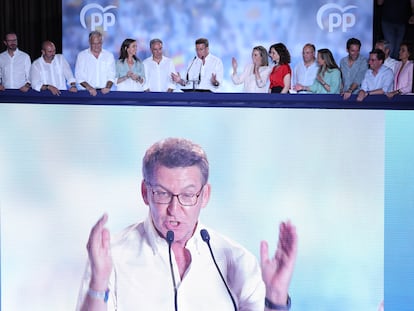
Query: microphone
x: 199, y: 73
x: 188, y: 70
x: 206, y: 238
x: 170, y: 240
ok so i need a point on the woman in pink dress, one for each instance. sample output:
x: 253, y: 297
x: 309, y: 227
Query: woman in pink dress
x: 403, y: 78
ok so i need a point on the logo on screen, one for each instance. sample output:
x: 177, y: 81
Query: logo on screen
x: 97, y: 16
x: 334, y: 17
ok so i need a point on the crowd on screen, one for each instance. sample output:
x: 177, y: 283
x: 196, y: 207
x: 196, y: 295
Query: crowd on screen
x: 270, y: 71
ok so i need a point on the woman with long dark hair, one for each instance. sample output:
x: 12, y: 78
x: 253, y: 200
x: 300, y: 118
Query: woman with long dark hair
x: 130, y: 72
x: 281, y: 74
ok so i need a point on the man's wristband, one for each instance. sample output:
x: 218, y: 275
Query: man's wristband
x: 99, y: 294
x: 274, y: 306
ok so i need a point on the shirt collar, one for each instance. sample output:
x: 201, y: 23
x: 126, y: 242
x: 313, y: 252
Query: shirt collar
x: 158, y: 243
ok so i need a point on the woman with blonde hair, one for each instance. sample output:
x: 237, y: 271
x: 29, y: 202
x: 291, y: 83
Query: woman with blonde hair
x: 255, y: 74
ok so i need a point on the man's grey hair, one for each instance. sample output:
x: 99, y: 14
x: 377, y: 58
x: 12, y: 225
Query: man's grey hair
x: 154, y: 41
x: 173, y: 153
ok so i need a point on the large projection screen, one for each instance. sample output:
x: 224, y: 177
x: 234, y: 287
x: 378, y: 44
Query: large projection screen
x: 233, y: 27
x: 62, y: 167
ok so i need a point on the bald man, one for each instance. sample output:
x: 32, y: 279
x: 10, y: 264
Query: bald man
x: 51, y: 72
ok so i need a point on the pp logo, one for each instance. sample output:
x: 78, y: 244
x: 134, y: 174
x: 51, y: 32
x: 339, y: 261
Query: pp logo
x: 335, y: 16
x: 98, y: 17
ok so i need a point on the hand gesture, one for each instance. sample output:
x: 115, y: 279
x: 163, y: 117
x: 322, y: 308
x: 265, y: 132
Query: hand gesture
x: 100, y: 254
x: 234, y: 64
x: 213, y: 80
x: 176, y: 77
x: 277, y: 271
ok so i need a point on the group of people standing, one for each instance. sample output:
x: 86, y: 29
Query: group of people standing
x: 96, y: 70
x: 320, y: 74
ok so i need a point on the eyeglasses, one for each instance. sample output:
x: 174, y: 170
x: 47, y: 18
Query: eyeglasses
x: 162, y: 196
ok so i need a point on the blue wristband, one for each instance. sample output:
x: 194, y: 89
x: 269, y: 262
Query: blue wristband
x: 274, y: 306
x: 98, y: 294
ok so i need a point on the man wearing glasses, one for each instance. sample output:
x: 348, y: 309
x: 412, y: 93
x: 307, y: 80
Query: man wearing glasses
x: 137, y: 271
x: 14, y: 66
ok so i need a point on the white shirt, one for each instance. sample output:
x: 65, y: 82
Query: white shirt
x: 197, y: 71
x: 141, y: 279
x: 391, y: 63
x: 96, y: 71
x: 158, y: 75
x: 251, y: 84
x: 14, y: 71
x: 57, y: 73
x: 383, y: 80
x: 304, y: 75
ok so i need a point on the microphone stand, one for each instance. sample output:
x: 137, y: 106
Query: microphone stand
x: 170, y: 240
x: 206, y: 238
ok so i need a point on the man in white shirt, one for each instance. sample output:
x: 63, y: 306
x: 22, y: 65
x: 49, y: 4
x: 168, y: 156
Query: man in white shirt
x: 166, y: 262
x: 205, y: 71
x: 305, y: 72
x: 378, y: 79
x: 95, y: 67
x: 385, y: 46
x: 14, y: 66
x: 158, y: 69
x: 51, y: 71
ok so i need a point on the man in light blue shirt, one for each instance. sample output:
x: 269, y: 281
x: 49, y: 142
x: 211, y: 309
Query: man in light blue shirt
x: 353, y: 68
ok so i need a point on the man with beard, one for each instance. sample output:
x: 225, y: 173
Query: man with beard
x: 51, y: 71
x: 14, y: 66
